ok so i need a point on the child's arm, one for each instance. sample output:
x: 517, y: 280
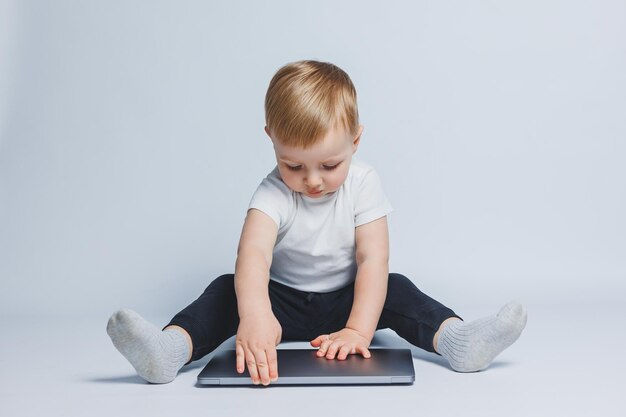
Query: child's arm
x: 259, y: 331
x: 370, y: 291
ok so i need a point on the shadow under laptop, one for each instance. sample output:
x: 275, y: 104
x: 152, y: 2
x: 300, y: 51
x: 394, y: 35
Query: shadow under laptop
x: 285, y: 386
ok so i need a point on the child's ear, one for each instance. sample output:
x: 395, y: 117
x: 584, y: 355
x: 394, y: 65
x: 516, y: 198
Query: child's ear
x: 268, y: 132
x: 357, y: 139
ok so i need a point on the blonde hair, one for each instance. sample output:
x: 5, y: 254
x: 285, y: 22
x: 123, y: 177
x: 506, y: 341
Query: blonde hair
x: 306, y: 99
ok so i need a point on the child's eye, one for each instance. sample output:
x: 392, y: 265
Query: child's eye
x: 299, y: 167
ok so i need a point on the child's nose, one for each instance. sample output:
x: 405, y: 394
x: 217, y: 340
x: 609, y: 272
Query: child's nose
x: 313, y: 180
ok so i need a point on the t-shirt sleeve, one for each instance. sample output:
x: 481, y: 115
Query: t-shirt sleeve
x: 273, y: 198
x: 371, y: 203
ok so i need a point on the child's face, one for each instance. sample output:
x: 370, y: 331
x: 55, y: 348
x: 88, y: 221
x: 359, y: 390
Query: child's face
x: 322, y: 168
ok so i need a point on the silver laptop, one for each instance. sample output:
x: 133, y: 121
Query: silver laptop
x: 304, y: 367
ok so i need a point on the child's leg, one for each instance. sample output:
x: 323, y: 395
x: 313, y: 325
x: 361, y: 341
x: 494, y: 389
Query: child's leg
x: 194, y: 332
x: 413, y: 315
x: 432, y: 326
x: 212, y: 318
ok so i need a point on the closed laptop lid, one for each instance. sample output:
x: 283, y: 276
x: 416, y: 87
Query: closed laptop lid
x: 303, y: 366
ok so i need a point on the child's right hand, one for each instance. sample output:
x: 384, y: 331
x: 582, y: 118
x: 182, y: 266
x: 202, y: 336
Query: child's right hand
x: 257, y: 338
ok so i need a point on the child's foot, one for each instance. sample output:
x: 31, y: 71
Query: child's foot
x: 156, y: 355
x: 471, y: 347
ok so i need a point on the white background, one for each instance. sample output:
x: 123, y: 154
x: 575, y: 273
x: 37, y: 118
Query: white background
x: 131, y: 141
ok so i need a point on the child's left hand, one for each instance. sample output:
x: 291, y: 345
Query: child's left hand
x: 345, y: 341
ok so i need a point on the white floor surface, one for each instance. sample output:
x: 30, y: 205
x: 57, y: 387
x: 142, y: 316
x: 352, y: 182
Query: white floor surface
x: 568, y: 362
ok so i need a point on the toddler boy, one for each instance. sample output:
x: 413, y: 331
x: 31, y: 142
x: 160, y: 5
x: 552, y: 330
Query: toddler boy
x: 312, y: 261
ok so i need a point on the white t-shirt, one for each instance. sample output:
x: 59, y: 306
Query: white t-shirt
x: 315, y: 249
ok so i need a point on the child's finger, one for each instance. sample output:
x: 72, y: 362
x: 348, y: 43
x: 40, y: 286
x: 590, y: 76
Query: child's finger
x: 252, y: 369
x: 262, y: 366
x: 364, y: 351
x: 319, y: 339
x: 272, y: 359
x: 332, y: 350
x: 324, y: 347
x: 240, y: 358
x: 315, y: 341
x: 344, y: 352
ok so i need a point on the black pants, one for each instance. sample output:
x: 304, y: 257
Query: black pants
x: 213, y: 317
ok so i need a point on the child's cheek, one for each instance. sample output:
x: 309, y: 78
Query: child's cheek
x: 294, y: 182
x: 289, y: 179
x: 338, y: 180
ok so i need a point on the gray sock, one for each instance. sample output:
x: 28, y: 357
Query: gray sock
x: 471, y: 347
x: 156, y: 355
